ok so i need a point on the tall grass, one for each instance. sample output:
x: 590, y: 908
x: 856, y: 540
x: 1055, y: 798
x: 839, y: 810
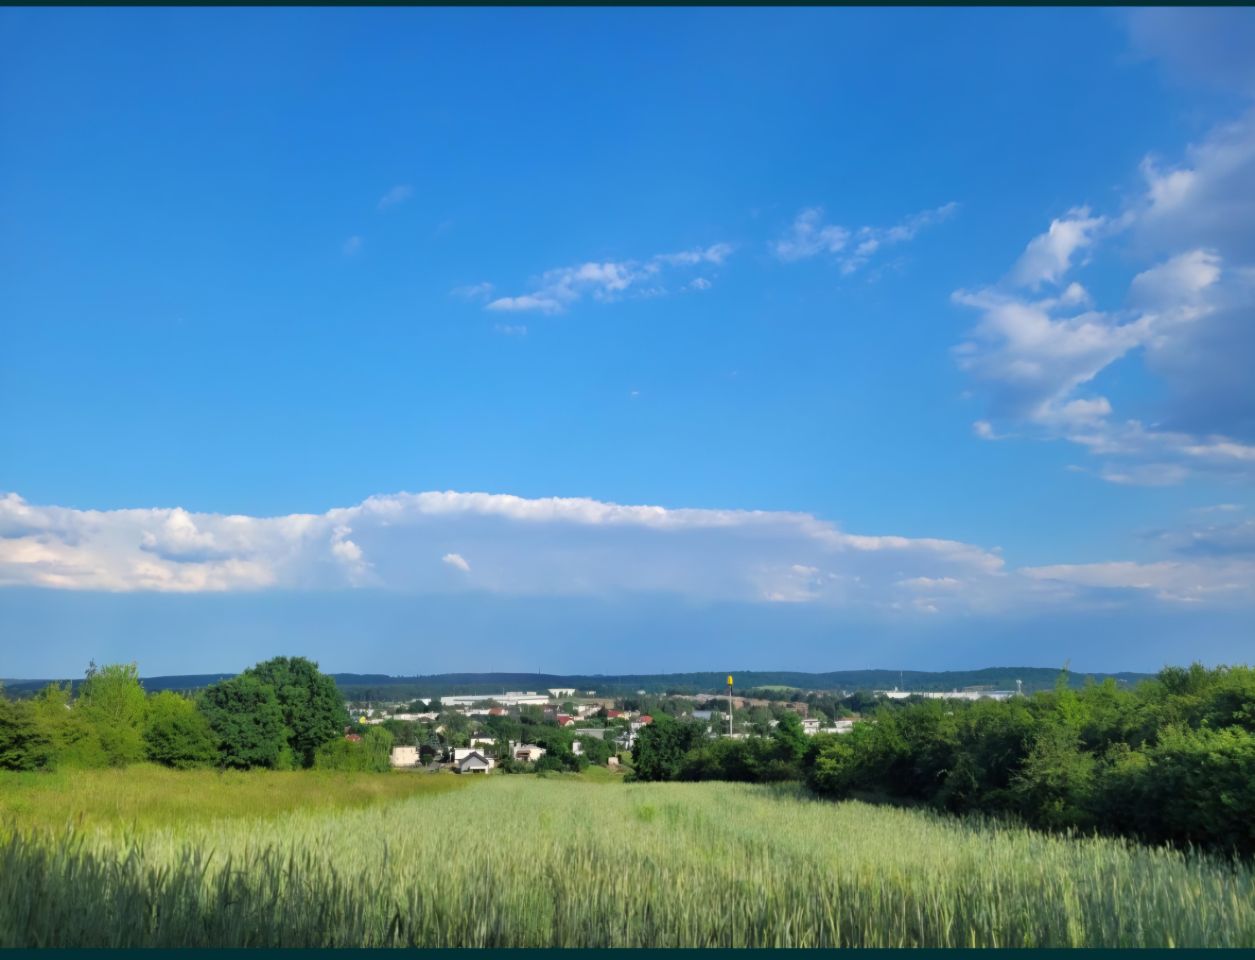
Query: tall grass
x: 520, y: 861
x: 145, y: 796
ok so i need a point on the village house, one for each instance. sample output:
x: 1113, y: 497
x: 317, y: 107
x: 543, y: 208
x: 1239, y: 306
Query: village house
x: 474, y: 762
x: 565, y: 720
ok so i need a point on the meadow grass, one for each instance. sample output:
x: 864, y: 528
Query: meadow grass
x: 146, y: 796
x: 558, y: 861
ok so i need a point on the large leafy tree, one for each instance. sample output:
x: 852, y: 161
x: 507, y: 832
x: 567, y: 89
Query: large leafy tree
x: 312, y: 706
x: 246, y: 718
x: 661, y: 748
x: 112, y: 700
x: 177, y: 734
x: 23, y: 745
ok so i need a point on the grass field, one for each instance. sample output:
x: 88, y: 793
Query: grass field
x: 562, y: 861
x: 145, y: 796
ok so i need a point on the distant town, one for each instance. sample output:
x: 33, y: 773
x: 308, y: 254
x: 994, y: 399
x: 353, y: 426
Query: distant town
x: 474, y: 733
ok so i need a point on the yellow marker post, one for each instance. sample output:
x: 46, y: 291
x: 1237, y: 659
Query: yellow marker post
x: 729, y: 705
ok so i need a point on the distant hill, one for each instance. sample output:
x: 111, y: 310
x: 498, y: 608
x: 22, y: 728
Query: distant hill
x: 367, y: 687
x: 378, y: 686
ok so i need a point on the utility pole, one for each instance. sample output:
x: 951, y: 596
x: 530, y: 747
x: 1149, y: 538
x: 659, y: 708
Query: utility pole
x: 729, y: 705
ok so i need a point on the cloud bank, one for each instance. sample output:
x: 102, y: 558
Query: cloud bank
x: 448, y: 542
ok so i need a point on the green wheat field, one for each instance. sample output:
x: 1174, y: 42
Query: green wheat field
x: 92, y: 859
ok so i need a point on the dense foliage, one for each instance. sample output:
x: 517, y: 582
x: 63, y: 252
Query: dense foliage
x: 1173, y: 760
x: 275, y: 715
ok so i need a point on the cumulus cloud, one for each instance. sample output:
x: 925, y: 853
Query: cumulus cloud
x: 809, y: 236
x: 571, y: 547
x: 608, y: 281
x: 1188, y: 316
x: 1049, y: 256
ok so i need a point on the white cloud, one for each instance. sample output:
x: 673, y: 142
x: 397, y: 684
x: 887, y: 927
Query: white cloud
x: 609, y: 281
x: 1049, y: 256
x: 511, y: 329
x: 809, y: 236
x: 398, y: 194
x: 1188, y: 317
x: 1166, y: 580
x: 457, y: 561
x: 579, y: 547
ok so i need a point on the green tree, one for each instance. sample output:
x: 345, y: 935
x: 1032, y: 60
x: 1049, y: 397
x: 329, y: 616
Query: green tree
x: 75, y: 742
x: 23, y: 745
x: 313, y: 709
x: 661, y: 747
x: 112, y: 700
x: 246, y: 718
x: 177, y: 734
x: 790, y: 738
x: 372, y: 754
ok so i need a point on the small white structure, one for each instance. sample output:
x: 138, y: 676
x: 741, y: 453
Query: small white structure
x: 514, y: 699
x: 561, y: 693
x: 527, y: 752
x: 896, y: 694
x: 810, y: 725
x: 404, y: 757
x: 474, y: 762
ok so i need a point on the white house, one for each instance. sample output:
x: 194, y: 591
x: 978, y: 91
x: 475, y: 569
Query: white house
x: 810, y: 725
x: 473, y: 762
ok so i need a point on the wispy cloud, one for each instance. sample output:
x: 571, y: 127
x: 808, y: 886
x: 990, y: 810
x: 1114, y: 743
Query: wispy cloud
x: 398, y: 194
x: 475, y: 291
x: 352, y: 246
x: 456, y: 561
x: 809, y: 236
x: 608, y: 281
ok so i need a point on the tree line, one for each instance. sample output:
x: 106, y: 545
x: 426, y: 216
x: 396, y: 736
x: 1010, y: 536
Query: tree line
x: 1170, y: 760
x: 283, y: 714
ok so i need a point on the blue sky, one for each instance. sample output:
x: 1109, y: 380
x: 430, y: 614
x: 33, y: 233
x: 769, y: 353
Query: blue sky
x: 420, y: 340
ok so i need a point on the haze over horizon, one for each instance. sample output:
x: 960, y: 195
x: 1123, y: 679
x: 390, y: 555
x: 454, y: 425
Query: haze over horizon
x: 626, y: 341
